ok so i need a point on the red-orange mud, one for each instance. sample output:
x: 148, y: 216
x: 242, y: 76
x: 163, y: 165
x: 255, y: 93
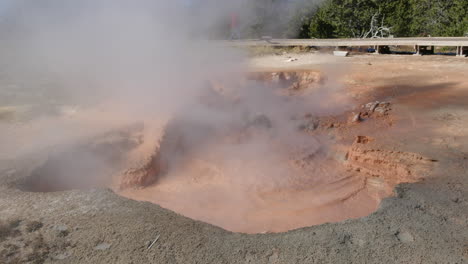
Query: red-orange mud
x: 348, y: 181
x: 327, y: 190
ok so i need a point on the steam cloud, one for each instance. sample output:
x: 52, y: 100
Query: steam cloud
x: 143, y: 54
x: 154, y: 59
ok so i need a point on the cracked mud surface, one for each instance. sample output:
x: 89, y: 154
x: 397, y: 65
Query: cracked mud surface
x: 423, y: 143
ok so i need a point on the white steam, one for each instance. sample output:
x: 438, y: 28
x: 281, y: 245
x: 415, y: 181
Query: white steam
x: 148, y: 59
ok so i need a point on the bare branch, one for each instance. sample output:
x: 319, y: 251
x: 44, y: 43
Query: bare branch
x: 376, y: 31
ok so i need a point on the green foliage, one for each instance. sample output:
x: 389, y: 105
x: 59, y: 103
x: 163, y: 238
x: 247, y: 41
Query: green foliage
x: 352, y: 18
x: 457, y: 19
x: 321, y: 26
x: 398, y: 16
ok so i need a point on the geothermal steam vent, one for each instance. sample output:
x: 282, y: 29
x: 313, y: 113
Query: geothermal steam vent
x: 257, y: 156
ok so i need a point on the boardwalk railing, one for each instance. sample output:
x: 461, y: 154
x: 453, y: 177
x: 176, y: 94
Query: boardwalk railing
x: 418, y: 43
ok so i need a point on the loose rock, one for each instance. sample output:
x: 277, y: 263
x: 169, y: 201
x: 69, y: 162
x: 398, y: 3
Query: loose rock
x: 357, y: 118
x: 102, y: 246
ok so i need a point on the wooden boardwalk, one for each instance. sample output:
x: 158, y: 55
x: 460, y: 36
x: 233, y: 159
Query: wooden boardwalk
x: 420, y: 44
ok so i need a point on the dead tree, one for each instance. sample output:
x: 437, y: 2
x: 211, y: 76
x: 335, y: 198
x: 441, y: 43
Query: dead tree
x: 375, y: 30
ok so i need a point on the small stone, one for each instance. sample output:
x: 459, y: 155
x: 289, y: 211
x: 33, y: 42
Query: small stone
x: 61, y: 228
x: 404, y: 237
x: 361, y: 242
x: 357, y: 118
x: 102, y: 246
x: 345, y: 239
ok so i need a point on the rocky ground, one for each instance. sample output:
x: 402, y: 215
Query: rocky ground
x: 425, y: 221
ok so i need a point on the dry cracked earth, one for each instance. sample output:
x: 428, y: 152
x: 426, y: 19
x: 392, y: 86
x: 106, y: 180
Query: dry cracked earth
x: 401, y: 194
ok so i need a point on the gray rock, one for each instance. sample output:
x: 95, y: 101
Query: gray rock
x: 102, y: 246
x: 61, y: 228
x: 405, y: 237
x: 62, y: 256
